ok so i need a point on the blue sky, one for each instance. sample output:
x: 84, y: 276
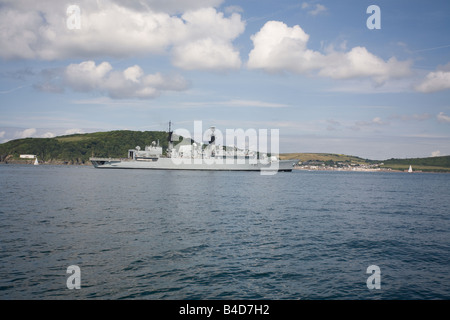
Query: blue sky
x: 312, y: 69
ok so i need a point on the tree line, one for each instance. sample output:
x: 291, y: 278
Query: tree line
x: 78, y: 148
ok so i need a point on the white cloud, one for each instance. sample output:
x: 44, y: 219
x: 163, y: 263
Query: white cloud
x: 110, y: 28
x: 208, y: 43
x: 129, y: 83
x: 359, y: 62
x: 206, y: 54
x: 233, y: 9
x: 73, y: 131
x: 314, y: 9
x: 438, y: 80
x: 48, y: 135
x: 31, y: 133
x: 436, y: 153
x: 86, y: 76
x: 443, y: 118
x: 12, y: 133
x: 170, y: 6
x: 279, y: 48
x: 377, y: 120
x: 317, y: 10
x: 133, y: 73
x: 27, y: 133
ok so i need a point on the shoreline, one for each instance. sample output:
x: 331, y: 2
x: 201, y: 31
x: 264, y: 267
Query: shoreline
x: 349, y: 169
x: 51, y: 162
x: 388, y: 170
x: 299, y: 168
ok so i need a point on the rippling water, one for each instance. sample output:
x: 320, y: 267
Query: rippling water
x: 139, y: 234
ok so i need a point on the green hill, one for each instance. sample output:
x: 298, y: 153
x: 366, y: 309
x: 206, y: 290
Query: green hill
x: 77, y: 148
x: 324, y: 157
x: 431, y: 164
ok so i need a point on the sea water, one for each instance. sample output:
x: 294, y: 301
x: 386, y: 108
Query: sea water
x: 150, y: 234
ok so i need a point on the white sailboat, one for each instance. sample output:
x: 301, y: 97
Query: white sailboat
x: 36, y: 162
x: 410, y: 169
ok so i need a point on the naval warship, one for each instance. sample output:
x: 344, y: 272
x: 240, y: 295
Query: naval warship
x: 193, y: 156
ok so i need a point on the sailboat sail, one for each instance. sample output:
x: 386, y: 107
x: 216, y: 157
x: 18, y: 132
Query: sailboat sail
x: 36, y: 162
x: 410, y: 169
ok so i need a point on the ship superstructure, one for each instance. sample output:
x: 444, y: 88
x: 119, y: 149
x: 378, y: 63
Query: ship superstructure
x: 195, y: 156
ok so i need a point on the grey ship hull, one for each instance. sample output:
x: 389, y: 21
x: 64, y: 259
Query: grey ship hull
x: 192, y: 164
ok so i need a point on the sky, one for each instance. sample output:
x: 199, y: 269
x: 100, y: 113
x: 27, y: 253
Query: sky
x: 331, y: 76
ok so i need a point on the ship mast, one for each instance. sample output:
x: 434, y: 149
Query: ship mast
x: 170, y: 147
x: 212, y: 142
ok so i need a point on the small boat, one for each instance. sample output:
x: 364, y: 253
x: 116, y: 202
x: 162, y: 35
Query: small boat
x: 410, y: 169
x: 36, y: 162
